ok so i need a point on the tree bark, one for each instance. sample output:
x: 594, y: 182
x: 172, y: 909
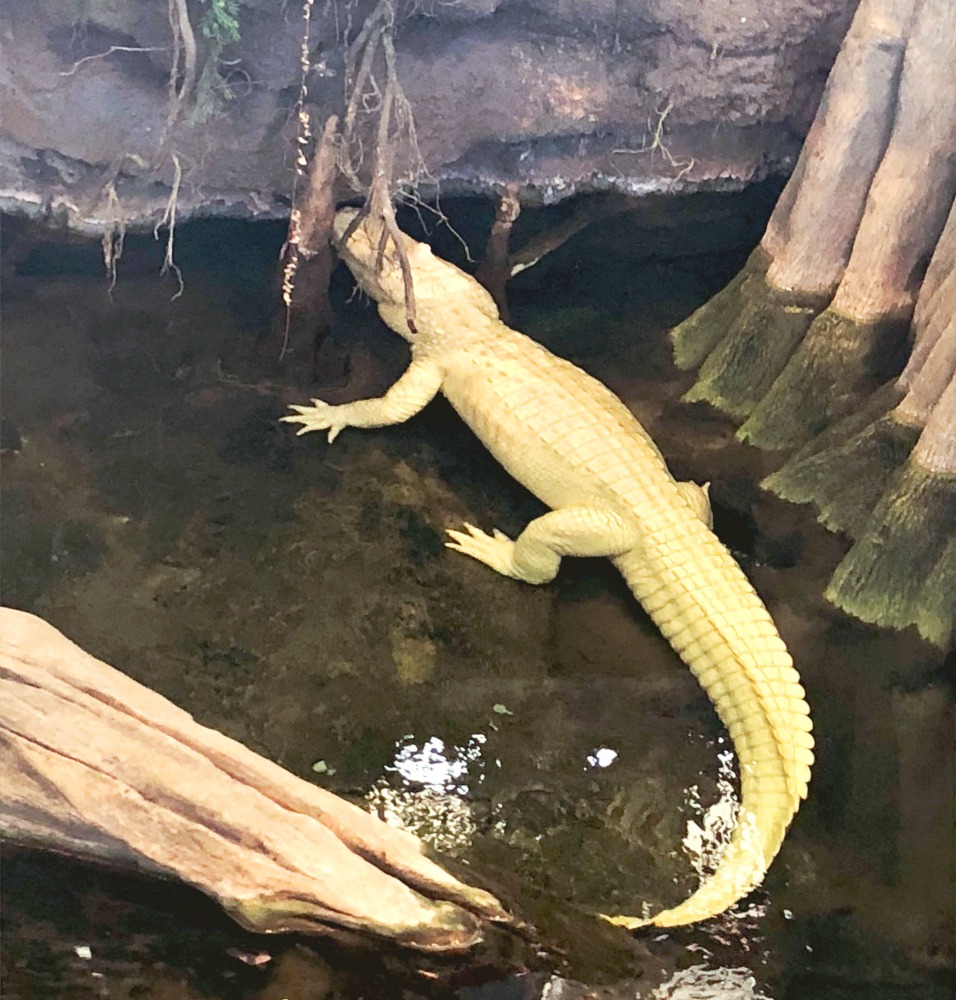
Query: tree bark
x: 98, y: 766
x: 859, y: 339
x: 795, y: 346
x: 744, y: 343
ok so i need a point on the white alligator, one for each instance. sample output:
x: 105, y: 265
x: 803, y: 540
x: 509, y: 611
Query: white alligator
x: 575, y: 445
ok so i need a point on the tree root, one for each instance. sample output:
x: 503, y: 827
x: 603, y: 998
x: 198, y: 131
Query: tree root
x: 902, y: 569
x: 169, y: 221
x: 836, y: 366
x: 755, y: 329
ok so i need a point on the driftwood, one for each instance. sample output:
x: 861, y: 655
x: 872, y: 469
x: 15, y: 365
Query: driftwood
x: 97, y: 766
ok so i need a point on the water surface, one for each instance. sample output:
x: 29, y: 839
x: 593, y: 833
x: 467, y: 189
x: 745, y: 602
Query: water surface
x: 298, y: 597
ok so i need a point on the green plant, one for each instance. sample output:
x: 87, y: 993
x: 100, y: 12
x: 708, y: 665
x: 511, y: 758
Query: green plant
x: 220, y: 23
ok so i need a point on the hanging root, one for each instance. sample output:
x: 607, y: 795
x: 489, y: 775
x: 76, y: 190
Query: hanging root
x: 113, y: 236
x: 378, y: 126
x: 169, y: 221
x: 658, y: 145
x: 902, y: 569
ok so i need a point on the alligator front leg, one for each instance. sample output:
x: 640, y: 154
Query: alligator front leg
x: 536, y: 554
x: 416, y: 388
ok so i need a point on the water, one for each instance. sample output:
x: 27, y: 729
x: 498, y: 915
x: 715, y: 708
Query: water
x: 298, y: 597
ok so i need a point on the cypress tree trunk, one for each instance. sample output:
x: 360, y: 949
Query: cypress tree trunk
x: 859, y: 338
x: 745, y: 335
x: 832, y: 301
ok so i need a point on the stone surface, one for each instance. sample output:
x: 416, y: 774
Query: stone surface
x: 556, y: 95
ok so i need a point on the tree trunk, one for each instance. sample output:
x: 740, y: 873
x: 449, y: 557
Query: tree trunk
x: 796, y: 344
x: 98, y: 766
x: 745, y: 336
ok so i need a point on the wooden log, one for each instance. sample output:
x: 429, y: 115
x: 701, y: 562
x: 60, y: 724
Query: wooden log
x: 98, y: 766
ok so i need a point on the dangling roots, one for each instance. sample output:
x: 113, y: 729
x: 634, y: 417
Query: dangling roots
x: 395, y: 127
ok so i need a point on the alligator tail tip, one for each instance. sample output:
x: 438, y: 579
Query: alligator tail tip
x: 628, y: 923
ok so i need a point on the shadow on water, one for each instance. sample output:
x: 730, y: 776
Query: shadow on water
x: 299, y: 598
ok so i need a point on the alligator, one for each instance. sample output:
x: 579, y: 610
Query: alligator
x: 574, y: 444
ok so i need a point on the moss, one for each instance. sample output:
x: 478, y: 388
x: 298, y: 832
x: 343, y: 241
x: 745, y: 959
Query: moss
x: 837, y: 434
x: 847, y: 480
x: 220, y: 22
x: 832, y: 371
x: 220, y: 25
x: 700, y: 333
x: 743, y: 367
x: 902, y: 569
x: 936, y: 618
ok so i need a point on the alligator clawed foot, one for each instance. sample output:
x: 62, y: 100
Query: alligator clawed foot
x: 494, y: 550
x: 320, y: 416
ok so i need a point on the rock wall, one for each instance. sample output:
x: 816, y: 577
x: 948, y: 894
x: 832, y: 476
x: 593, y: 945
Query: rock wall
x: 558, y: 95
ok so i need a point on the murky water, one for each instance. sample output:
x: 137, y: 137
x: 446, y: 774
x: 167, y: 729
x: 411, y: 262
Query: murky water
x: 298, y: 597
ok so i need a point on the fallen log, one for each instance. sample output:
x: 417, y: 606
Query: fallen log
x: 97, y: 766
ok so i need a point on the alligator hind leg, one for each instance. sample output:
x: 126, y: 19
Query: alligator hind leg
x: 698, y: 499
x: 536, y: 554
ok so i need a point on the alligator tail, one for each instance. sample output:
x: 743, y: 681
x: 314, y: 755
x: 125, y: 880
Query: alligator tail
x: 704, y: 605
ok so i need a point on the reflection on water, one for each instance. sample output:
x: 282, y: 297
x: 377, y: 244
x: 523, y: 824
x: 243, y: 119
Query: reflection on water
x: 700, y: 982
x: 432, y: 799
x: 705, y: 841
x: 299, y: 598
